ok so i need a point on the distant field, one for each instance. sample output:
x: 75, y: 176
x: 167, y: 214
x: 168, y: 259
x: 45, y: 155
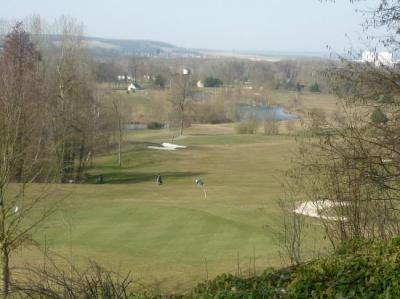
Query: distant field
x: 169, y: 236
x: 154, y: 105
x: 307, y: 100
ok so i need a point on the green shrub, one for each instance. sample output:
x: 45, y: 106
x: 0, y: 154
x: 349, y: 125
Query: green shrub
x: 154, y: 125
x: 314, y: 87
x: 212, y: 82
x: 160, y: 81
x: 358, y: 270
x: 379, y: 117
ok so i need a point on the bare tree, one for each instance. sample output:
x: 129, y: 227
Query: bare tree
x: 353, y: 167
x: 292, y: 232
x: 72, y: 105
x: 54, y: 282
x: 23, y: 146
x: 121, y: 113
x: 181, y: 90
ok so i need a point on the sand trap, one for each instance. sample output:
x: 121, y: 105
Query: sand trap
x: 165, y: 146
x: 171, y: 145
x: 313, y: 208
x: 161, y: 148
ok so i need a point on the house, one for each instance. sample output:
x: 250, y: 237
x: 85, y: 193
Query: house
x: 385, y: 58
x: 200, y: 84
x: 186, y: 71
x: 149, y: 77
x: 134, y: 87
x: 378, y: 58
x: 368, y: 56
x: 125, y: 78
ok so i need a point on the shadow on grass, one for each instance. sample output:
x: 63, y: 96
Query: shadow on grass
x: 131, y: 177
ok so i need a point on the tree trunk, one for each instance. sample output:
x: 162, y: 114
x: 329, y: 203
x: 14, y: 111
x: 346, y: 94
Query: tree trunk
x: 119, y: 143
x: 119, y: 153
x: 182, y: 125
x: 182, y: 108
x: 19, y: 164
x: 5, y: 270
x: 81, y: 162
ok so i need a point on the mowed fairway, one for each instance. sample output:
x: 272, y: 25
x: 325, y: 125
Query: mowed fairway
x: 170, y: 236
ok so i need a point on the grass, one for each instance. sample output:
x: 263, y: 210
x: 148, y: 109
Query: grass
x: 308, y: 100
x: 169, y: 235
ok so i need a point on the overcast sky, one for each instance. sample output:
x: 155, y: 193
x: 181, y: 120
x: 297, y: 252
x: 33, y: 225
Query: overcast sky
x: 259, y: 25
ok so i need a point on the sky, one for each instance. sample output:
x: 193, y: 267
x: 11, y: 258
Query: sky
x: 233, y: 25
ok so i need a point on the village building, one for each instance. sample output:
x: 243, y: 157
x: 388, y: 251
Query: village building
x: 378, y: 58
x: 186, y: 71
x: 133, y: 87
x: 125, y: 78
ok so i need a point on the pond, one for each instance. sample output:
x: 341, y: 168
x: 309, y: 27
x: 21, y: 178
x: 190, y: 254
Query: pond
x: 263, y: 112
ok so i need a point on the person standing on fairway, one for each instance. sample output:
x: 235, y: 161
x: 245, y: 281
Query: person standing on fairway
x: 159, y: 180
x: 200, y: 184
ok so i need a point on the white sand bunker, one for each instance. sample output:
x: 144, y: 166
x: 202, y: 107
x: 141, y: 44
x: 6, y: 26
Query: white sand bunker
x: 167, y: 147
x: 161, y: 148
x: 314, y: 209
x: 171, y: 145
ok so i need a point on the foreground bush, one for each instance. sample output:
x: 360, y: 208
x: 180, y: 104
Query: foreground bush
x: 357, y: 270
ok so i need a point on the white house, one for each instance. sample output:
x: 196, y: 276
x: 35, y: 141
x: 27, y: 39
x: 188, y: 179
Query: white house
x: 124, y: 78
x: 134, y: 87
x: 383, y: 58
x: 369, y: 56
x: 149, y: 77
x: 186, y: 71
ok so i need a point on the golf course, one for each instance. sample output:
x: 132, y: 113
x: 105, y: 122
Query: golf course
x: 200, y: 150
x: 170, y: 236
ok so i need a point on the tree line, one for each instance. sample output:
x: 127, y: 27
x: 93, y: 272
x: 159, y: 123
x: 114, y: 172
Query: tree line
x: 51, y: 106
x: 53, y: 120
x: 349, y: 166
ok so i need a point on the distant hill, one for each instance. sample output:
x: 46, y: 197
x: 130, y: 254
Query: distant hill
x: 108, y: 47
